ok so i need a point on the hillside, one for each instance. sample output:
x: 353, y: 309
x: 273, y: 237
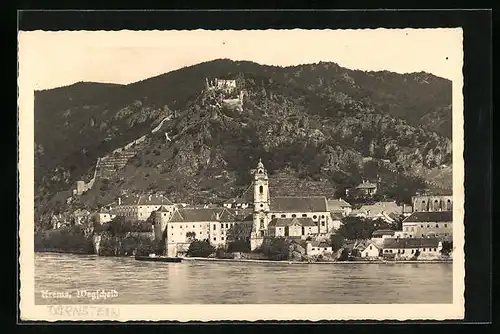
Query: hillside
x: 322, y: 125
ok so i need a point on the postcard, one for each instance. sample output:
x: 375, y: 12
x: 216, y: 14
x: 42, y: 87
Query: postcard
x: 241, y: 175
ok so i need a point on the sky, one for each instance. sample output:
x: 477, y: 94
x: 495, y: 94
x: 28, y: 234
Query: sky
x: 56, y: 59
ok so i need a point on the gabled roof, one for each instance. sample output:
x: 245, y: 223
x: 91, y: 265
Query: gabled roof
x: 379, y: 207
x: 336, y: 215
x: 368, y: 243
x: 320, y: 244
x: 162, y: 209
x: 383, y: 232
x: 366, y: 185
x: 104, y: 210
x: 411, y: 243
x: 280, y: 222
x: 431, y: 216
x: 194, y: 215
x: 146, y: 200
x: 210, y: 215
x: 335, y: 204
x: 299, y: 204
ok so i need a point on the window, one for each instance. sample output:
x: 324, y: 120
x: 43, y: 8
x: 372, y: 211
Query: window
x: 261, y: 189
x: 325, y: 248
x: 421, y: 226
x: 193, y: 226
x: 411, y: 251
x: 435, y: 249
x: 221, y: 225
x: 215, y: 239
x: 201, y: 232
x: 423, y: 250
x: 227, y: 225
x: 403, y: 251
x: 222, y: 238
x: 437, y: 226
x: 314, y: 217
x: 428, y: 226
x: 181, y: 226
x: 283, y: 216
x: 294, y: 215
x: 260, y: 171
x: 215, y: 227
x: 370, y: 247
x: 323, y: 216
x: 304, y: 215
x: 446, y: 234
x: 273, y: 216
x: 445, y: 225
x: 262, y: 205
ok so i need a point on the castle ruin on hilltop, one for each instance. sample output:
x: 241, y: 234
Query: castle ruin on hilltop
x: 228, y: 89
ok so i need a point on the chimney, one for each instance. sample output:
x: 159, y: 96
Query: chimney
x: 217, y: 216
x: 119, y: 201
x: 149, y: 198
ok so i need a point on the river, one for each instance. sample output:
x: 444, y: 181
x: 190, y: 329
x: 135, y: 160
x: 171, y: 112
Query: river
x: 199, y: 282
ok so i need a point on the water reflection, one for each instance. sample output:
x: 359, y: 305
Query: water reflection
x: 235, y: 283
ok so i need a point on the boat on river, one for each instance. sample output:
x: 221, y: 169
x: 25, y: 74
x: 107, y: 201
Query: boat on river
x: 156, y: 258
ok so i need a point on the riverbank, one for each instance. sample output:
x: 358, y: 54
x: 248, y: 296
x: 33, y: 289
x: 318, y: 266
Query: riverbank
x: 318, y: 262
x: 208, y: 259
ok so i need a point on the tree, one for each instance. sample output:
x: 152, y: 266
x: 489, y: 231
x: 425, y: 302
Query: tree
x: 191, y: 236
x: 118, y: 226
x: 200, y: 249
x: 415, y: 256
x: 239, y: 246
x: 355, y: 228
x: 344, y: 256
x: 336, y: 241
x: 447, y: 247
x: 277, y: 249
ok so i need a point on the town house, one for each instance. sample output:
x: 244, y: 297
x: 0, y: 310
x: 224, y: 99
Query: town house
x: 140, y: 207
x: 409, y: 247
x: 429, y: 224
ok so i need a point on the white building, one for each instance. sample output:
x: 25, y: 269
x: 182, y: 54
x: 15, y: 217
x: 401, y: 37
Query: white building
x: 372, y: 250
x: 266, y: 208
x: 140, y: 207
x: 103, y: 216
x: 318, y: 248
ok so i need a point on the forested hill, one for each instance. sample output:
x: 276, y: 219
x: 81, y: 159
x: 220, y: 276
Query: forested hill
x: 320, y: 121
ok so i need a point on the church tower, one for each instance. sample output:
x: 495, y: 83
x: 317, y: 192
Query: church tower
x: 261, y: 205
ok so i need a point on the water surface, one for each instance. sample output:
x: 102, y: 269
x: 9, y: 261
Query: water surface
x: 196, y: 282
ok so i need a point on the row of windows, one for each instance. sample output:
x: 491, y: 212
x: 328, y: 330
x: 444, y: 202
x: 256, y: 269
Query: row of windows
x: 187, y: 226
x: 411, y: 228
x: 402, y: 251
x: 319, y: 248
x: 222, y: 225
x: 304, y: 215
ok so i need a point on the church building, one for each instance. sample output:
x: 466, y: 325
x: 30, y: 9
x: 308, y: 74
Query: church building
x: 285, y: 216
